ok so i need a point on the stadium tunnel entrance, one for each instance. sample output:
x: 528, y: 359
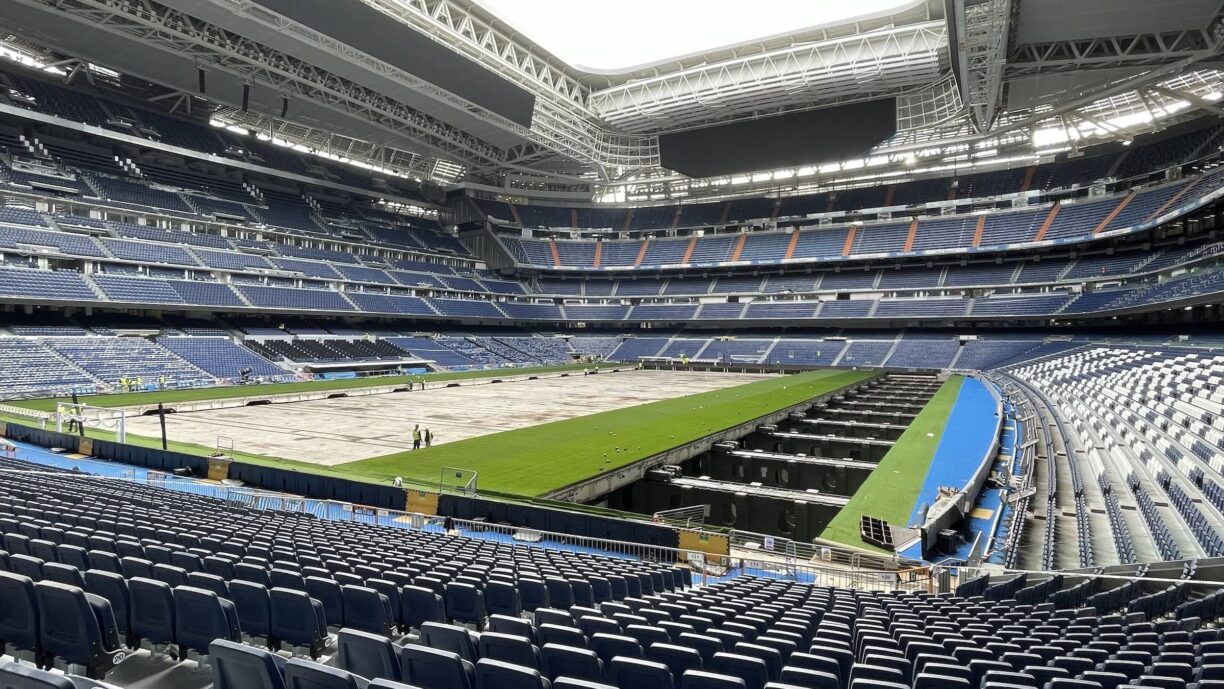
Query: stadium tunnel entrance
x: 791, y: 478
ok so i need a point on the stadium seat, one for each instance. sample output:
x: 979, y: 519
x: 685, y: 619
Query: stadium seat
x: 502, y: 598
x: 494, y: 674
x: 306, y: 674
x: 679, y: 659
x: 77, y: 628
x: 508, y: 648
x: 635, y: 673
x: 449, y: 637
x: 63, y: 574
x: 753, y: 671
x: 298, y: 620
x: 200, y: 617
x: 19, y: 620
x: 21, y: 676
x: 700, y: 679
x: 421, y: 605
x: 513, y: 625
x: 367, y: 655
x: 465, y: 603
x: 238, y: 666
x: 367, y: 610
x: 608, y: 646
x: 436, y: 669
x: 560, y: 636
x: 567, y: 661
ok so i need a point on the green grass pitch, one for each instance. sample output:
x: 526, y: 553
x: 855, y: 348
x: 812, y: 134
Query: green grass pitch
x: 537, y: 460
x: 890, y: 491
x: 530, y: 461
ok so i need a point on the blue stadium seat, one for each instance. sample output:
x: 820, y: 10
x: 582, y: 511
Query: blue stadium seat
x: 635, y: 673
x: 114, y: 589
x: 298, y: 620
x: 700, y: 679
x: 513, y: 625
x: 421, y: 605
x: 608, y: 646
x: 328, y: 592
x: 209, y: 582
x: 494, y: 674
x: 465, y: 603
x: 502, y: 598
x: 367, y: 610
x: 254, y: 608
x: 77, y: 628
x: 678, y: 659
x: 533, y: 594
x: 435, y: 668
x: 19, y: 621
x: 367, y: 655
x: 571, y: 683
x: 63, y: 574
x: 200, y: 617
x: 561, y: 636
x: 567, y: 661
x: 449, y: 637
x: 152, y: 611
x: 813, y: 679
x: 238, y: 666
x: 508, y: 648
x: 306, y: 674
x: 753, y: 671
x: 27, y: 566
x: 20, y: 676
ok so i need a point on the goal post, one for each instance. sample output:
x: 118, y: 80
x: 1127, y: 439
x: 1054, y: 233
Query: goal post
x: 457, y: 480
x: 68, y: 415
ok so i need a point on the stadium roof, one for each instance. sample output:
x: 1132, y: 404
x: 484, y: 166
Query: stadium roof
x: 417, y: 84
x: 602, y: 37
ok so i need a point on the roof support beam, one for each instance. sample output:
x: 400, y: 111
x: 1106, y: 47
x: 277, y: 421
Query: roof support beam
x: 982, y: 31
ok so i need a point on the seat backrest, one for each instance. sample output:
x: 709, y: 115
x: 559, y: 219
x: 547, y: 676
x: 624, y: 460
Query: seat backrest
x: 567, y: 661
x: 114, y: 588
x: 449, y: 637
x: 306, y: 674
x: 200, y: 616
x: 254, y: 607
x: 465, y: 602
x: 79, y: 631
x: 494, y: 674
x: 296, y: 618
x: 640, y: 674
x: 21, y: 676
x: 152, y: 611
x: 435, y: 668
x: 238, y: 666
x: 608, y: 646
x: 421, y: 605
x: 752, y: 670
x: 700, y: 679
x: 64, y: 574
x: 367, y: 610
x: 677, y: 658
x: 19, y: 614
x: 366, y: 654
x: 508, y: 648
x: 516, y: 626
x: 327, y: 592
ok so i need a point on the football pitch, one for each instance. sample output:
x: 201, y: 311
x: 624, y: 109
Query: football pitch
x: 555, y: 439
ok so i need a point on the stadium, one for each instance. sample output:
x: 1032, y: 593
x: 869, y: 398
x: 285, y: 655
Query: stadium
x: 501, y: 344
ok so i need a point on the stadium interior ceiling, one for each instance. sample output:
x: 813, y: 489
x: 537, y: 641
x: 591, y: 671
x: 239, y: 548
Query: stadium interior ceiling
x: 978, y: 84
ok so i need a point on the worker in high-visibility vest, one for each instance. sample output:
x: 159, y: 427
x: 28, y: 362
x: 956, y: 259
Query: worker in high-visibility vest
x: 416, y: 437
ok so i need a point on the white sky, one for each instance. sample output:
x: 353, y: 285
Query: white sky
x: 616, y: 35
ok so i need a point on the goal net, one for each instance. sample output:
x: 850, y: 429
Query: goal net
x: 456, y: 480
x: 69, y: 417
